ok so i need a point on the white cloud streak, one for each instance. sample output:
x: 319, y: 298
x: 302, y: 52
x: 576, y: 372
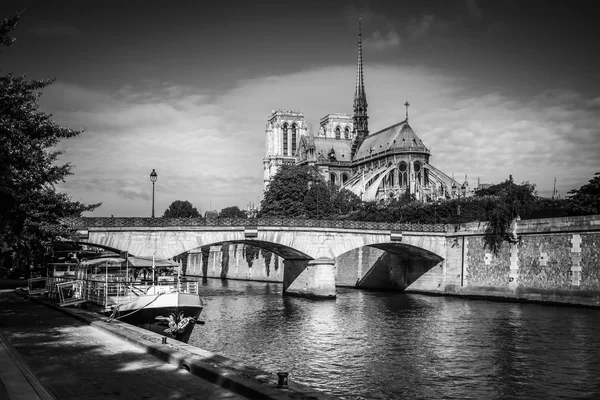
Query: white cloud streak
x: 207, y: 148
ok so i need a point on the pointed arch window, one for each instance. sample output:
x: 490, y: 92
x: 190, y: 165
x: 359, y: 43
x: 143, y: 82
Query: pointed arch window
x: 344, y: 177
x: 285, y: 139
x: 333, y: 178
x: 418, y: 173
x: 338, y: 132
x: 403, y: 174
x: 293, y: 139
x: 347, y: 133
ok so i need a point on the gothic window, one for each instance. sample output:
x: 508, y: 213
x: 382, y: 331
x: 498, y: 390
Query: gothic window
x: 347, y: 133
x: 426, y: 177
x: 344, y: 177
x: 332, y: 178
x: 285, y: 139
x: 418, y: 172
x: 403, y: 174
x: 293, y: 139
x: 337, y: 133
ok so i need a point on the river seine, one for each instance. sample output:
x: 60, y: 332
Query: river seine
x: 386, y: 345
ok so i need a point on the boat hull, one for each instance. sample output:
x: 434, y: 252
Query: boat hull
x: 170, y: 314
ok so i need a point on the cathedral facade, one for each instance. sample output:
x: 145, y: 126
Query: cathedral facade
x: 378, y: 166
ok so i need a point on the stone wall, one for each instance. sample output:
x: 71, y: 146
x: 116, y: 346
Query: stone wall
x: 235, y: 261
x: 556, y: 260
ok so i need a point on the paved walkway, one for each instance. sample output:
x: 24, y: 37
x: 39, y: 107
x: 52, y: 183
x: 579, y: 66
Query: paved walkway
x: 47, y: 354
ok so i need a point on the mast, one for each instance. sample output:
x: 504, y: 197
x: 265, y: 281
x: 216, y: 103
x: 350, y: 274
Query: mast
x: 360, y: 118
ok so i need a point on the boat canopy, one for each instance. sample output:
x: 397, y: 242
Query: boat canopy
x: 96, y: 261
x: 146, y: 262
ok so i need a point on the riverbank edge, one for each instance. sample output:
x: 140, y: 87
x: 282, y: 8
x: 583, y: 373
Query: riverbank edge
x: 249, y: 382
x: 554, y: 297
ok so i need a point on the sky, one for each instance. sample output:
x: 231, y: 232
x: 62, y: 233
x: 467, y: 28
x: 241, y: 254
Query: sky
x: 496, y: 88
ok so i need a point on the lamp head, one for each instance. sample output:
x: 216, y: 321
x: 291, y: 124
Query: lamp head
x: 153, y: 176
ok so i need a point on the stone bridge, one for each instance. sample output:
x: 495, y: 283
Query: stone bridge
x: 309, y: 247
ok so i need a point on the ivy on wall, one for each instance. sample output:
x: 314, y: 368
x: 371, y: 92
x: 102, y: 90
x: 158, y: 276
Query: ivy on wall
x: 267, y: 255
x: 251, y: 253
x: 224, y: 260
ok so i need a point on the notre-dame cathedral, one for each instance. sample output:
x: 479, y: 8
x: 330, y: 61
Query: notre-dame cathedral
x: 377, y: 166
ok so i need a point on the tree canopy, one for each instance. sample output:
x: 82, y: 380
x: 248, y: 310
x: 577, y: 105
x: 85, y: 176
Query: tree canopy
x: 284, y: 196
x: 232, y: 212
x: 181, y: 209
x: 586, y: 199
x: 317, y: 202
x: 30, y: 206
x: 300, y: 192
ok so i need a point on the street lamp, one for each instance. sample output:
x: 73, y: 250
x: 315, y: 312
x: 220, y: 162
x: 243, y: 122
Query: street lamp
x: 153, y: 178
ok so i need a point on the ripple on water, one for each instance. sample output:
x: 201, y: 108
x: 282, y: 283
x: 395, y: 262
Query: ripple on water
x: 382, y: 345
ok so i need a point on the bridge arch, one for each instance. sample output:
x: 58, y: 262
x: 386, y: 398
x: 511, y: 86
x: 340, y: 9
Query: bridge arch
x: 309, y: 248
x: 285, y: 252
x: 168, y: 244
x: 392, y: 266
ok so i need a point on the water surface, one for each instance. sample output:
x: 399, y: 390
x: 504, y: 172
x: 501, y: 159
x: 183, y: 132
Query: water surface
x: 387, y: 345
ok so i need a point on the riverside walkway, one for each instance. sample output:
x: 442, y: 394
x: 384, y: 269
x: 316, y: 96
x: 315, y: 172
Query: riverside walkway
x: 52, y: 353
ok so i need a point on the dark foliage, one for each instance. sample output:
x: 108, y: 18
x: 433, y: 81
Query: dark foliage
x: 586, y: 199
x: 181, y: 209
x: 251, y: 253
x: 284, y: 197
x: 317, y: 202
x: 30, y: 206
x: 232, y: 212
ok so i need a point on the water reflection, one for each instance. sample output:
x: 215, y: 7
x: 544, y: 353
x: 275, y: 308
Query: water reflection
x: 383, y: 345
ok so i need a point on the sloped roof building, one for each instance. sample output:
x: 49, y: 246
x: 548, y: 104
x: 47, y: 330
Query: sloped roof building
x: 378, y: 166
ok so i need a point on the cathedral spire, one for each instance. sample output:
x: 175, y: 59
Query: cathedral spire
x: 359, y: 94
x: 360, y: 118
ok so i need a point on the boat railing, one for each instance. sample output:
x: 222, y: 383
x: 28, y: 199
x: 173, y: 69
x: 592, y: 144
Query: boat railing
x: 111, y: 293
x: 37, y: 285
x: 47, y: 284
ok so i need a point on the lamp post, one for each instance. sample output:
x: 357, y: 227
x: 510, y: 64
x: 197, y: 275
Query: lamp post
x: 153, y: 178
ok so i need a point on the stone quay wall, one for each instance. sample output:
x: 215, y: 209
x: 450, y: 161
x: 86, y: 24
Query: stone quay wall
x: 555, y: 260
x: 235, y: 261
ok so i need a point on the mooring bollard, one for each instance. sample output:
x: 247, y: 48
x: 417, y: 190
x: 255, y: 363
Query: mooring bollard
x: 164, y: 340
x: 283, y: 379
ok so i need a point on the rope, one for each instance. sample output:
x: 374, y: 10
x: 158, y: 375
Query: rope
x: 116, y: 309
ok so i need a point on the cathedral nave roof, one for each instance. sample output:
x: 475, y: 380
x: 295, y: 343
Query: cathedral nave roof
x: 398, y: 137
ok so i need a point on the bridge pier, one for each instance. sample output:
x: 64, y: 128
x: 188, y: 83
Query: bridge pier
x: 309, y: 278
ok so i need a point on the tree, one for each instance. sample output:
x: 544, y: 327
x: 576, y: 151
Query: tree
x: 514, y: 201
x: 344, y: 201
x: 284, y: 196
x: 181, y: 209
x: 317, y: 202
x: 30, y: 206
x: 586, y: 199
x: 232, y: 212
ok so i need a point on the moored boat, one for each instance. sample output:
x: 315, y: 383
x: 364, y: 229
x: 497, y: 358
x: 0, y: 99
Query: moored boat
x: 121, y: 289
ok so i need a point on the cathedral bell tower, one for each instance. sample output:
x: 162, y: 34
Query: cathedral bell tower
x: 360, y: 118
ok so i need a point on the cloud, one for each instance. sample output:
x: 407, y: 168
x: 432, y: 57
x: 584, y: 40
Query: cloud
x: 133, y: 194
x: 390, y: 33
x: 426, y: 24
x: 474, y: 10
x: 207, y: 148
x: 379, y: 42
